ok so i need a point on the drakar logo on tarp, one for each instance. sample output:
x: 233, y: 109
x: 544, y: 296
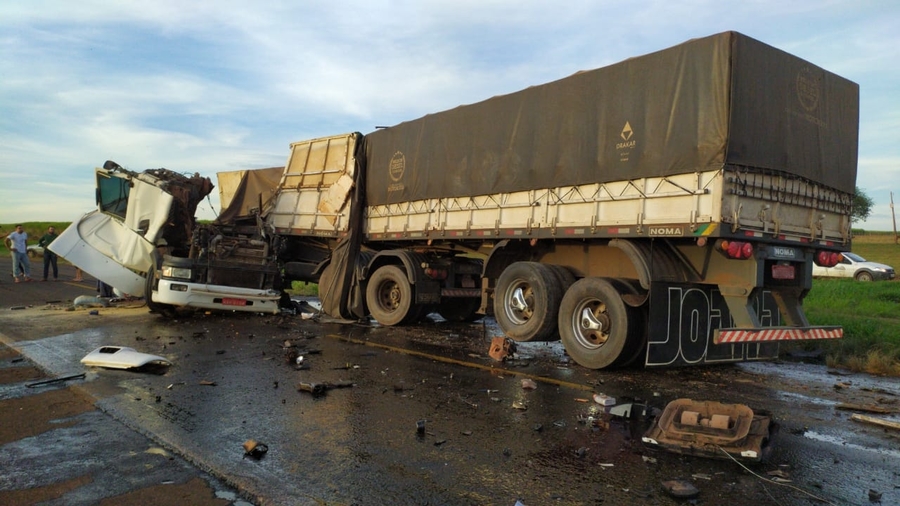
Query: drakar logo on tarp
x: 808, y: 89
x: 395, y: 169
x: 627, y: 143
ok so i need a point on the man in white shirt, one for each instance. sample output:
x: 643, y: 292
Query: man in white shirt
x: 17, y: 242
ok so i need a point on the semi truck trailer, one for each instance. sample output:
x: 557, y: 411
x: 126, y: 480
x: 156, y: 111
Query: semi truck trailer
x: 664, y: 210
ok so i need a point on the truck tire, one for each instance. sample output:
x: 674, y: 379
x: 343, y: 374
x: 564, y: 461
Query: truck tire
x: 564, y: 275
x: 594, y: 324
x: 164, y: 310
x: 460, y: 310
x: 526, y: 302
x: 389, y: 297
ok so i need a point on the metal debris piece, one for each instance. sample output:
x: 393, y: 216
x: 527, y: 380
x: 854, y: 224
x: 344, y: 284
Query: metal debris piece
x: 255, y: 449
x: 528, y: 384
x: 54, y: 380
x: 681, y: 489
x: 711, y: 429
x: 501, y: 348
x: 420, y: 427
x: 208, y: 383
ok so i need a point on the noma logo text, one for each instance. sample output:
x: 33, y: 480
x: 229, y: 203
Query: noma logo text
x: 784, y: 252
x: 666, y: 231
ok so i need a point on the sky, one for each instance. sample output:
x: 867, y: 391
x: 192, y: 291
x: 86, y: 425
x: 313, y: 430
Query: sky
x: 210, y: 86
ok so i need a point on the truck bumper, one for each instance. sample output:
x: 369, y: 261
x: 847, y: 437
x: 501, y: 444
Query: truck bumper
x: 226, y: 298
x: 773, y: 334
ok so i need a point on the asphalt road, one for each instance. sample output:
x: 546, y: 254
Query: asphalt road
x: 486, y: 439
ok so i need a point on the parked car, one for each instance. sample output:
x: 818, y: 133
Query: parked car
x: 856, y: 267
x: 35, y: 251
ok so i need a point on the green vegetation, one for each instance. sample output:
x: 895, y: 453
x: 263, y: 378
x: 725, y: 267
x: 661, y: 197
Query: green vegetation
x: 34, y: 229
x: 301, y: 289
x: 869, y: 312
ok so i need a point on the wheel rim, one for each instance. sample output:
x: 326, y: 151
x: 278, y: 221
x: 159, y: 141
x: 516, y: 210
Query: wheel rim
x: 591, y: 324
x: 519, y: 306
x: 389, y: 296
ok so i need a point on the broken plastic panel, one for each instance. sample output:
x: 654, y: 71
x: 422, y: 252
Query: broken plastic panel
x: 121, y: 357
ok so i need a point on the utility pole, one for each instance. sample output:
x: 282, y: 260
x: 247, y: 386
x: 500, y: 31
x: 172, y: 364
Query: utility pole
x: 894, y: 217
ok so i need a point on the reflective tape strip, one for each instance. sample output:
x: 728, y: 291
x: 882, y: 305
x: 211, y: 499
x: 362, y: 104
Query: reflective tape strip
x: 726, y: 336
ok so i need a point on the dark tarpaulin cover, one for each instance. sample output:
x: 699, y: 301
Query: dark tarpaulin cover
x: 257, y: 187
x: 723, y: 99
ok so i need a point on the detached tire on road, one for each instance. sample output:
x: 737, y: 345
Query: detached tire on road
x: 526, y: 302
x: 389, y: 297
x: 594, y: 324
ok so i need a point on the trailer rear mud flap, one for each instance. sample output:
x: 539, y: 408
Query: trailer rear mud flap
x: 683, y: 333
x: 711, y: 429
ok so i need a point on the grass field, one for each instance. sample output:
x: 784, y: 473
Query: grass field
x: 869, y: 312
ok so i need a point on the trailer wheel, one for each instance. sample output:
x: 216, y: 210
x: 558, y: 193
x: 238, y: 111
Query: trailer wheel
x: 389, y: 296
x: 460, y: 310
x: 594, y: 324
x: 526, y: 302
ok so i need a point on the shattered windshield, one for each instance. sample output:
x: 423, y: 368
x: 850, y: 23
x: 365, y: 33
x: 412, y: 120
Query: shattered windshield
x: 112, y: 195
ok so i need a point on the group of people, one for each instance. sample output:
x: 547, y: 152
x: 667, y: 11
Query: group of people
x: 17, y: 242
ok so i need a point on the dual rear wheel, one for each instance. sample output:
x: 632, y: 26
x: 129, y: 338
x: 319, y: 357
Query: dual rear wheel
x: 540, y: 302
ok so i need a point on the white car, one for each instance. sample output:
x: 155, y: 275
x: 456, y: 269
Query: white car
x: 35, y: 251
x: 856, y: 267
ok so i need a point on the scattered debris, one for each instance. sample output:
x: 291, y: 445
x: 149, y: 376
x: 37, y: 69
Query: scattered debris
x: 528, y: 384
x: 889, y: 424
x: 709, y: 429
x: 208, y: 383
x: 649, y: 460
x: 519, y: 405
x: 89, y: 301
x: 501, y: 348
x: 868, y: 409
x: 318, y: 389
x: 54, y: 380
x: 604, y: 400
x: 680, y: 489
x: 121, y: 357
x: 255, y: 449
x: 420, y: 427
x: 629, y: 410
x: 874, y: 495
x: 581, y: 452
x: 16, y: 308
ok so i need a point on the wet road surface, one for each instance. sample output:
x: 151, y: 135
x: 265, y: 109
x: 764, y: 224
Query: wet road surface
x: 486, y: 439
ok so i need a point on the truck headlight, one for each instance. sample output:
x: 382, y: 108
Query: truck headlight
x: 176, y: 272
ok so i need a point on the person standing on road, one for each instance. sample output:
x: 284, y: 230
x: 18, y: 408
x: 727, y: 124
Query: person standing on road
x: 49, y: 256
x: 17, y: 242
